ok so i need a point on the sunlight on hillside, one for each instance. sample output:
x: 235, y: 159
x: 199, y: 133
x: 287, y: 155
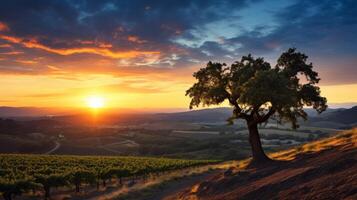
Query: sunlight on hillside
x: 341, y: 138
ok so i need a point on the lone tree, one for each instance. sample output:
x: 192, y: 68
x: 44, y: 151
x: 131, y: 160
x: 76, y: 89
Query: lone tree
x: 258, y: 91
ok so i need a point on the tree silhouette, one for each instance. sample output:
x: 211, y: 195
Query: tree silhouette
x: 258, y: 91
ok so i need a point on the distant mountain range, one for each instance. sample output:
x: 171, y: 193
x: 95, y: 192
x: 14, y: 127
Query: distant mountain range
x: 203, y: 115
x: 339, y: 116
x: 6, y: 111
x: 331, y: 118
x: 344, y: 116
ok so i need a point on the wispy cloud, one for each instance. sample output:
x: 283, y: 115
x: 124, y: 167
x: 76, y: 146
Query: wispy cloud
x: 103, y: 51
x: 27, y: 62
x: 12, y: 53
x: 5, y: 45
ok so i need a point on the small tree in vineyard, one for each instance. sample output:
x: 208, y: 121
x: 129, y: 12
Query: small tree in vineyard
x: 11, y: 188
x: 50, y: 181
x: 257, y: 91
x: 79, y: 176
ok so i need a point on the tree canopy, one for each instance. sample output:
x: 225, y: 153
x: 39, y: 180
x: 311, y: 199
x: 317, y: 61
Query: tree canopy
x: 256, y: 90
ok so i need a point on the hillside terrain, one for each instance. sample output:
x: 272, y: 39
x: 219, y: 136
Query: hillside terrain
x: 344, y: 117
x: 198, y: 134
x: 325, y: 169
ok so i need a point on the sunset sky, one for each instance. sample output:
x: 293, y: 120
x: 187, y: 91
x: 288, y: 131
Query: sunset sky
x: 141, y: 54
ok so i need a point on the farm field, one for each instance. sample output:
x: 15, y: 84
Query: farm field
x: 216, y: 142
x: 208, y: 141
x: 23, y: 173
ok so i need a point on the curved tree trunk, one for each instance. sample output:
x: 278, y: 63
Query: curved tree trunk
x: 254, y: 140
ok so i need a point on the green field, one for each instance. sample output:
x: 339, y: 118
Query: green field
x: 21, y: 173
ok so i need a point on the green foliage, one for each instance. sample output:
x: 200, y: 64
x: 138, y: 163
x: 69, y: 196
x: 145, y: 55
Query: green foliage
x: 11, y: 187
x: 51, y: 180
x: 20, y: 173
x: 257, y: 91
x: 78, y: 176
x: 48, y: 180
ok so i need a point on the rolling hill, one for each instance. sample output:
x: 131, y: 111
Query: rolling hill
x: 325, y: 169
x: 343, y: 116
x: 10, y: 112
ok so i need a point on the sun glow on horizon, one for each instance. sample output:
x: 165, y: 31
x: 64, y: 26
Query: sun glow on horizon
x: 95, y: 102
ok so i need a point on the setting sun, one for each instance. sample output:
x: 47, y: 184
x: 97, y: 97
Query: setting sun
x: 95, y: 102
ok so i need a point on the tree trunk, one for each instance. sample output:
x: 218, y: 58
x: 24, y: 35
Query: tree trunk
x: 47, y: 192
x: 7, y: 195
x: 77, y: 187
x: 254, y: 140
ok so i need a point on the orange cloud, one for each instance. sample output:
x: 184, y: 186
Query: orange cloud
x: 135, y: 39
x: 53, y: 68
x: 33, y: 43
x: 12, y: 53
x: 96, y: 43
x: 28, y: 62
x: 11, y: 39
x: 5, y: 45
x: 105, y: 45
x: 3, y: 27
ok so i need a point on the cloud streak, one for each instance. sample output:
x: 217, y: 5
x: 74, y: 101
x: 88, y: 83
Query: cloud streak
x: 33, y: 43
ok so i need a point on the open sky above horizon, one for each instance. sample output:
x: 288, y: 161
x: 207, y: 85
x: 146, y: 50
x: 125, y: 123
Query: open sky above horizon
x: 141, y: 54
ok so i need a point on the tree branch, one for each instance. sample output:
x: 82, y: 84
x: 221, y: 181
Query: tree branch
x: 255, y: 112
x: 237, y: 111
x: 266, y: 116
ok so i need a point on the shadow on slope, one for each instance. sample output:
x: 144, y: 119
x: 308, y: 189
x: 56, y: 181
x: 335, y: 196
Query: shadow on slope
x: 325, y: 169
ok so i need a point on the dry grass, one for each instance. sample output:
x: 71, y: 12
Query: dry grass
x: 324, y: 169
x: 341, y: 138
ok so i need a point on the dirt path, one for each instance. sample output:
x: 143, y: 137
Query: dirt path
x: 57, y: 146
x: 154, y: 188
x: 173, y: 188
x: 192, y: 175
x: 164, y: 190
x: 125, y: 142
x: 107, y: 146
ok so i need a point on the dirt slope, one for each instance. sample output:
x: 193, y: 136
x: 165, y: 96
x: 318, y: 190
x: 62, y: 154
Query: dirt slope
x: 326, y: 169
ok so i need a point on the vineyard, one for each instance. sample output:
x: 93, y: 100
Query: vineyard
x: 23, y: 173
